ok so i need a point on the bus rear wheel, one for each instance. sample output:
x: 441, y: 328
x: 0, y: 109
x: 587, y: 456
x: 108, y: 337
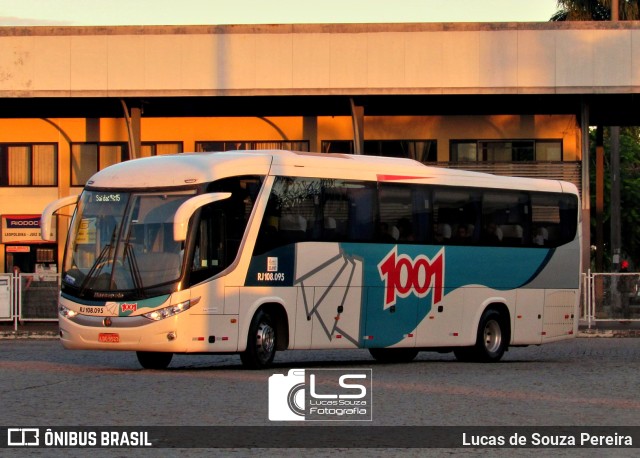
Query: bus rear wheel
x: 261, y: 342
x: 393, y: 355
x: 491, y: 341
x: 154, y: 359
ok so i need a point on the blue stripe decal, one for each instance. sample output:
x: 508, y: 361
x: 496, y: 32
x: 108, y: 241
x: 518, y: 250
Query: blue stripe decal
x: 121, y: 308
x: 500, y: 269
x: 402, y: 283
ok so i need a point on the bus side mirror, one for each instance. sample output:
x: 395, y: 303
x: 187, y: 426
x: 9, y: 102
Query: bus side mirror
x: 188, y: 208
x: 47, y: 215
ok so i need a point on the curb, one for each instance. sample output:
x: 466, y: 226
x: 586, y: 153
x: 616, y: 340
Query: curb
x: 23, y: 335
x: 610, y: 333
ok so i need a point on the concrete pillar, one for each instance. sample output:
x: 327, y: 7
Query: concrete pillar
x: 600, y: 199
x: 586, y: 204
x: 136, y: 132
x: 357, y: 118
x: 310, y: 132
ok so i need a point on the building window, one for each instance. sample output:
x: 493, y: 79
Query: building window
x: 88, y: 158
x: 464, y: 151
x: 420, y: 150
x: 160, y: 148
x: 505, y: 150
x: 45, y: 255
x: 293, y: 145
x: 548, y: 150
x: 29, y: 165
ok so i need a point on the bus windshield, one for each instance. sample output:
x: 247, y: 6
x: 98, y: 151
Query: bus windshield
x: 123, y: 242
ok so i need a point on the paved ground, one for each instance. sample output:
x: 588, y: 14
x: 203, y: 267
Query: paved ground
x: 586, y: 381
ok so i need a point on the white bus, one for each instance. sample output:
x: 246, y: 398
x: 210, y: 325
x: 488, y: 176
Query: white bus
x: 251, y: 252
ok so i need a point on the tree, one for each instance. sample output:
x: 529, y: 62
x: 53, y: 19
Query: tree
x: 603, y: 10
x: 630, y: 195
x: 596, y: 10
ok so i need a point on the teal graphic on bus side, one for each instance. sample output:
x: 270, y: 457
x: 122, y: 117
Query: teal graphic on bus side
x: 401, y: 283
x: 424, y: 275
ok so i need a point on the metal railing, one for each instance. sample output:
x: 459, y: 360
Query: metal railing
x: 29, y: 297
x: 611, y: 297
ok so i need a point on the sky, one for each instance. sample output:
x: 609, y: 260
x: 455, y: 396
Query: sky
x: 214, y: 12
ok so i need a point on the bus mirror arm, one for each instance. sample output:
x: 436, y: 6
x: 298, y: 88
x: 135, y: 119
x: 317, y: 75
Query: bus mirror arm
x: 47, y: 215
x: 188, y: 208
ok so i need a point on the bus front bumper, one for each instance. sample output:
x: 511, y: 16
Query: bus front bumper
x: 122, y: 334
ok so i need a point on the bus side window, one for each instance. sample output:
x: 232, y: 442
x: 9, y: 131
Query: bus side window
x: 210, y: 248
x: 568, y: 217
x: 554, y: 219
x: 268, y: 235
x: 422, y: 217
x: 222, y: 226
x: 460, y: 210
x: 397, y: 223
x: 334, y: 211
x: 290, y: 216
x: 505, y: 218
x: 362, y: 213
x: 293, y: 228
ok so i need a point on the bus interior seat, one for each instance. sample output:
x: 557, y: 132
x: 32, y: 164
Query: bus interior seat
x: 512, y: 234
x: 545, y: 233
x: 499, y: 233
x: 471, y: 228
x: 330, y: 228
x: 443, y: 231
x: 541, y: 236
x: 394, y: 232
x: 293, y: 228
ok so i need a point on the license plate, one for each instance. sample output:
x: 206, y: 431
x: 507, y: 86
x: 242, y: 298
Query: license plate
x: 109, y: 337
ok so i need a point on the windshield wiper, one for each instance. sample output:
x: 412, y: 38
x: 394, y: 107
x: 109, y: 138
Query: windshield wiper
x: 133, y: 268
x: 96, y: 268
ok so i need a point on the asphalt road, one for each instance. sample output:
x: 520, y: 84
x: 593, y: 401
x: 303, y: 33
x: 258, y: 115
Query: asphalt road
x: 586, y: 381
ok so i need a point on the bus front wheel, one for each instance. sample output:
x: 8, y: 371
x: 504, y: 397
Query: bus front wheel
x: 491, y: 341
x: 261, y: 342
x: 154, y: 359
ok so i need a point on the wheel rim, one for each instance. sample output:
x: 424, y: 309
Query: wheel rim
x: 265, y: 341
x: 492, y: 336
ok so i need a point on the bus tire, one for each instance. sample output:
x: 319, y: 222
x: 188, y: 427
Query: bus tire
x: 154, y: 359
x: 393, y: 355
x: 261, y: 342
x: 491, y: 341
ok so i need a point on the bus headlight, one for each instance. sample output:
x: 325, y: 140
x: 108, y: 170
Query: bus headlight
x: 166, y: 312
x: 65, y: 312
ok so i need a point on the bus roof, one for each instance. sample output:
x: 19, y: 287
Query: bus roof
x: 186, y: 169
